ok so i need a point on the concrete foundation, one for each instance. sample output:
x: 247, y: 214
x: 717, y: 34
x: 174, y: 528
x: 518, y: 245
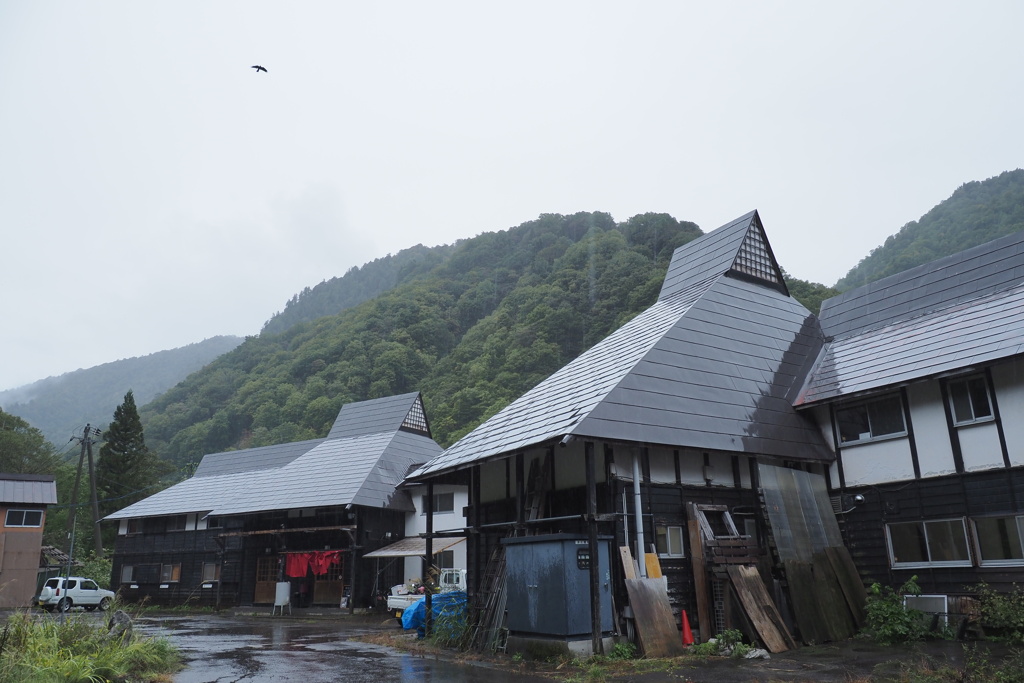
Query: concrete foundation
x: 546, y: 647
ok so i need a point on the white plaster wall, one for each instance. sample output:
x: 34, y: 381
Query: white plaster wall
x: 877, y: 462
x: 1008, y: 379
x: 931, y: 432
x: 691, y: 467
x: 663, y: 466
x: 979, y: 444
x: 416, y: 523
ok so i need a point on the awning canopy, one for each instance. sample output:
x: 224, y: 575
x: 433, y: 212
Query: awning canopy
x: 414, y: 546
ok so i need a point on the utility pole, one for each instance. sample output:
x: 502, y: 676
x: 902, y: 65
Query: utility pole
x: 86, y: 442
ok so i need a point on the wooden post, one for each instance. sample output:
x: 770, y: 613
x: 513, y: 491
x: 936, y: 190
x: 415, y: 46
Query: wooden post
x: 700, y: 580
x: 595, y: 569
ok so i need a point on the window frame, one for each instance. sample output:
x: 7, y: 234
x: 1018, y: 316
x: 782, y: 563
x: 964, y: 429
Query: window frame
x: 969, y: 395
x: 964, y: 541
x: 128, y: 573
x: 25, y: 512
x: 438, y: 499
x: 170, y: 572
x: 866, y: 406
x: 176, y: 523
x: 663, y: 540
x: 216, y: 572
x: 1018, y: 522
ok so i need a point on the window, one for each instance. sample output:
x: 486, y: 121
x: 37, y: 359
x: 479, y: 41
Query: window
x: 127, y: 574
x: 176, y: 523
x: 24, y: 518
x: 445, y: 559
x: 941, y: 543
x: 170, y: 572
x: 668, y: 540
x: 871, y: 419
x: 211, y: 571
x: 1000, y: 540
x: 969, y: 400
x: 443, y: 502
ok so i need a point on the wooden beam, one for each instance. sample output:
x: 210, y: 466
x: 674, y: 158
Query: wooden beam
x: 700, y: 581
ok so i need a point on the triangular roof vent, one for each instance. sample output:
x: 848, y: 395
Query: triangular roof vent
x: 755, y: 259
x: 416, y: 420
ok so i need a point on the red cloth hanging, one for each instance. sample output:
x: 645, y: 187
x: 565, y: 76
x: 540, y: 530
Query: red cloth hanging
x: 296, y: 565
x: 323, y: 559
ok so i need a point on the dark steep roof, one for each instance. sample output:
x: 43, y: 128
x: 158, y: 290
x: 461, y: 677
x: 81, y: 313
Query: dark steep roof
x: 947, y: 315
x: 361, y: 462
x: 710, y: 365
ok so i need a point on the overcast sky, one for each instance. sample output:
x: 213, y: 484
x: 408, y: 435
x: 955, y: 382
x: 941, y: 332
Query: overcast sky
x: 156, y: 191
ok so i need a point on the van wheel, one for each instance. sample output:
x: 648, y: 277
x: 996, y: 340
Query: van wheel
x: 104, y: 604
x: 64, y: 605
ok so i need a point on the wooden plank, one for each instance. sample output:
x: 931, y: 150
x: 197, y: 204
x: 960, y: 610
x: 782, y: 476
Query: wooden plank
x: 760, y: 609
x: 829, y: 595
x: 652, y: 613
x: 628, y: 568
x: 653, y: 566
x: 804, y: 602
x: 850, y: 581
x: 700, y: 581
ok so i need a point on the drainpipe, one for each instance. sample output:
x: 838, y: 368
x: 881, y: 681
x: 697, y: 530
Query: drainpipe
x: 638, y: 514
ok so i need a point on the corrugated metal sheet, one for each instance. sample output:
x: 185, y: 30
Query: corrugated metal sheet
x: 362, y: 469
x: 711, y: 364
x: 803, y: 522
x: 28, y: 489
x: 414, y: 546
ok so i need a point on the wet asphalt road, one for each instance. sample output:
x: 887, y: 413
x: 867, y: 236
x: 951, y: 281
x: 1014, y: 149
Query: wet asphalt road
x: 220, y: 649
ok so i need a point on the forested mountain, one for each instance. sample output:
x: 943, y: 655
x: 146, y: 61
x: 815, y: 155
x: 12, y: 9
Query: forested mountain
x: 976, y: 213
x: 61, y: 406
x: 495, y: 315
x: 359, y: 284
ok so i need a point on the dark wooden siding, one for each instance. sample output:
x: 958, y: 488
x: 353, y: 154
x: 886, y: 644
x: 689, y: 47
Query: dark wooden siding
x: 992, y: 492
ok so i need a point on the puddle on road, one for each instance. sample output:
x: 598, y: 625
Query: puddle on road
x: 235, y: 650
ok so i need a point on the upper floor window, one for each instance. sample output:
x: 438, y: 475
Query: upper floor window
x: 871, y: 419
x: 935, y: 543
x: 1000, y: 539
x: 177, y: 522
x: 443, y: 502
x: 969, y: 400
x: 24, y: 518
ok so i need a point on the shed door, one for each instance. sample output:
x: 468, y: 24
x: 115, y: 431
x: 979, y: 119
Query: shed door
x: 266, y: 579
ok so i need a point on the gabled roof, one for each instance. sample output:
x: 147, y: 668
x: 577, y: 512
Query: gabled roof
x: 952, y: 314
x: 28, y: 489
x: 710, y: 365
x: 362, y: 466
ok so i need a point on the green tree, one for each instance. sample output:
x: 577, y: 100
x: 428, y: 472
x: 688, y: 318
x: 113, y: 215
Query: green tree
x: 23, y: 448
x: 127, y: 471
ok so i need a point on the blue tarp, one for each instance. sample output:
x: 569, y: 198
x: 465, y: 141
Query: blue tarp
x: 444, y: 606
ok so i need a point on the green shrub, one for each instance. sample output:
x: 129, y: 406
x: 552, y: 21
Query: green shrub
x: 71, y: 648
x: 888, y: 621
x: 623, y: 651
x: 728, y: 643
x: 1002, y: 614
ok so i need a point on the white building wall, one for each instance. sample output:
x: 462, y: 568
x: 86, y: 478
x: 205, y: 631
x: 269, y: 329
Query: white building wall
x: 979, y: 445
x: 931, y: 431
x: 1008, y: 379
x: 877, y: 462
x: 416, y: 524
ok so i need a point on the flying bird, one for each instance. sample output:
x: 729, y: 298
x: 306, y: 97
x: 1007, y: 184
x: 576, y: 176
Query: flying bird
x: 258, y: 68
